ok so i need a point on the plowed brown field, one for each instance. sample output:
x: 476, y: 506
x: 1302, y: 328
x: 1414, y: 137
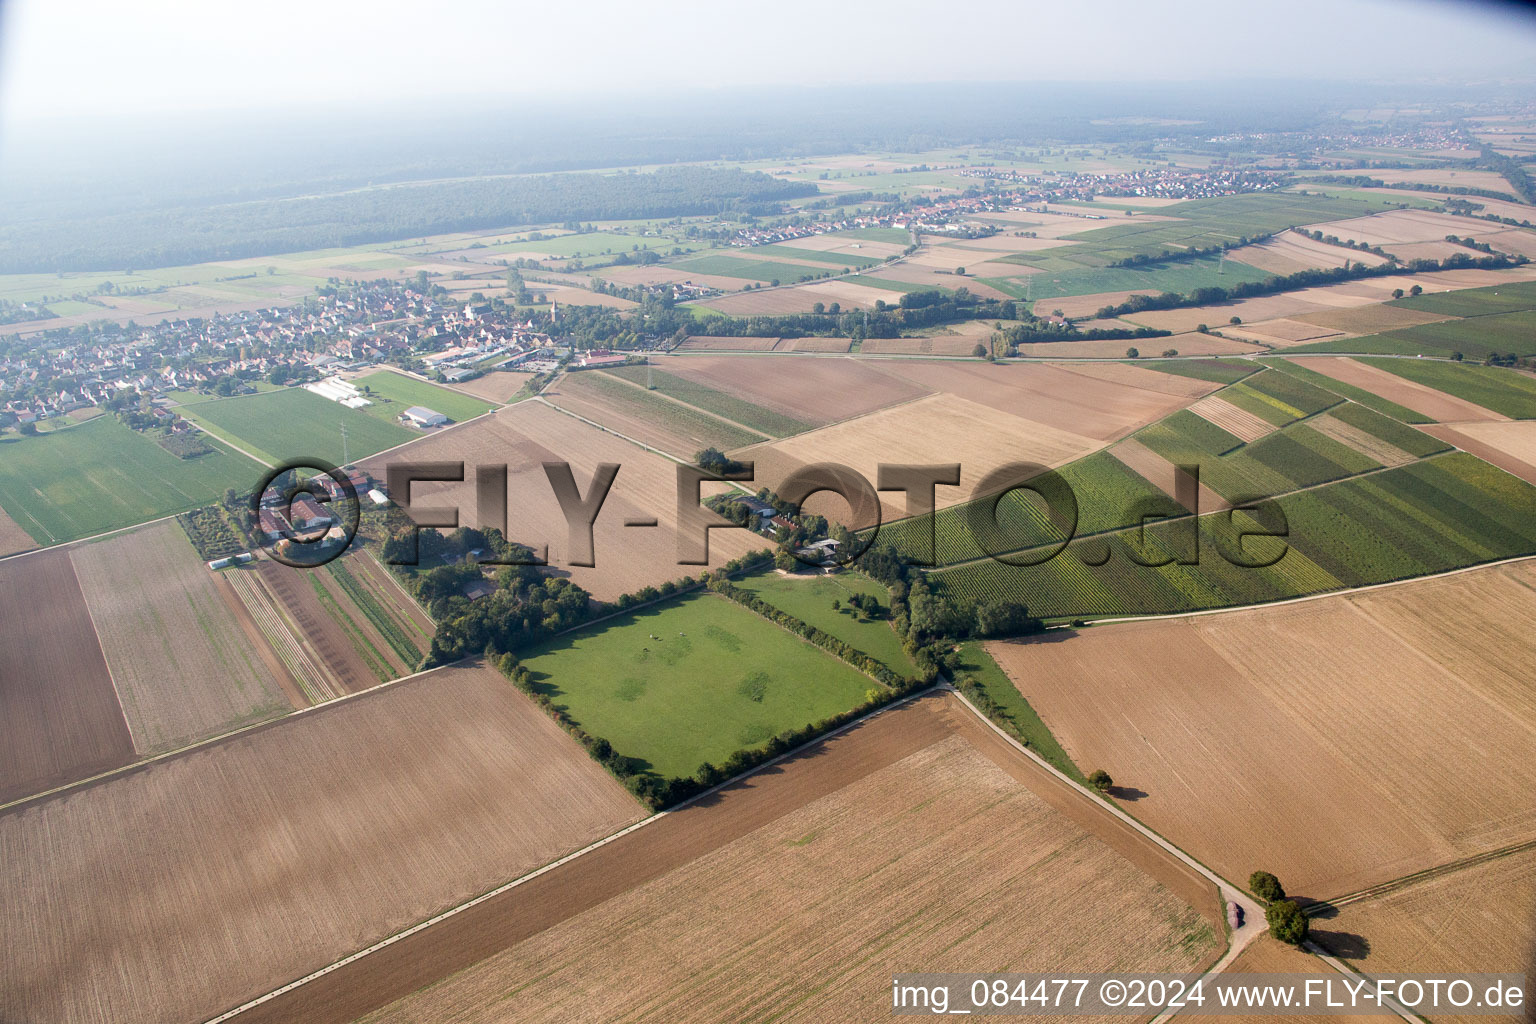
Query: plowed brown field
x: 1437, y: 405
x: 59, y: 715
x: 174, y: 891
x: 1338, y: 742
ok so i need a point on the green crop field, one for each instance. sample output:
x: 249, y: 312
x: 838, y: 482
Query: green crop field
x: 808, y: 597
x: 1366, y: 398
x: 393, y: 393
x: 1109, y: 496
x: 715, y: 679
x: 1499, y: 298
x: 1475, y: 337
x: 702, y: 396
x: 790, y: 252
x: 1447, y: 512
x: 1504, y: 391
x: 1414, y: 442
x: 752, y: 270
x: 1202, y: 223
x: 293, y: 423
x: 1217, y: 371
x: 101, y: 476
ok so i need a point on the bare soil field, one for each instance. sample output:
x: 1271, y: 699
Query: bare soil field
x: 814, y: 345
x: 1290, y: 253
x: 184, y: 667
x: 1282, y: 333
x: 497, y: 386
x: 1271, y: 956
x: 1145, y: 379
x: 62, y: 720
x: 12, y: 537
x: 1383, y: 229
x: 911, y: 273
x: 847, y: 246
x: 1508, y: 444
x: 1051, y: 395
x: 1492, y: 181
x: 707, y: 343
x: 930, y: 345
x: 813, y: 390
x: 526, y: 435
x: 1190, y: 344
x: 768, y: 301
x: 1088, y: 305
x: 712, y: 830
x: 646, y: 416
x: 1515, y: 240
x: 1240, y: 422
x: 663, y: 274
x: 1339, y: 742
x: 937, y: 429
x: 1264, y: 307
x: 1161, y: 473
x: 280, y: 850
x: 1372, y: 319
x: 1480, y: 918
x: 1366, y: 444
x: 1437, y: 405
x: 897, y: 852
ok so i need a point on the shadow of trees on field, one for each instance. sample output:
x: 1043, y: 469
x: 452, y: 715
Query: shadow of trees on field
x: 1127, y: 793
x: 1344, y: 945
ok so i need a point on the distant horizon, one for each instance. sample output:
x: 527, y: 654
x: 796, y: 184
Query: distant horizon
x: 58, y: 61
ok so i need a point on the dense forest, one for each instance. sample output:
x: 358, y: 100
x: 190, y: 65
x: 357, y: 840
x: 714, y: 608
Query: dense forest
x: 137, y: 239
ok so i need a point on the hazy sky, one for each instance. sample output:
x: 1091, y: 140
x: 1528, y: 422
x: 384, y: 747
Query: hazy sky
x: 66, y: 57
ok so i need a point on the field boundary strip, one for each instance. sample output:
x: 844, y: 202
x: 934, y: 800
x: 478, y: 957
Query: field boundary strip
x: 88, y: 540
x: 117, y: 693
x: 506, y: 887
x: 1342, y: 592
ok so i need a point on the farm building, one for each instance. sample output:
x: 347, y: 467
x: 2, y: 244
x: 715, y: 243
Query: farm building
x: 421, y: 416
x: 340, y: 391
x: 603, y: 357
x: 306, y: 515
x: 225, y: 563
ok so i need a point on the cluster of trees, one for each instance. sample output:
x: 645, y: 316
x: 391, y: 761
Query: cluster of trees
x: 16, y: 313
x: 195, y: 234
x: 1007, y: 341
x: 1512, y: 170
x: 1470, y: 243
x: 1318, y: 236
x: 1287, y: 921
x: 1303, y: 279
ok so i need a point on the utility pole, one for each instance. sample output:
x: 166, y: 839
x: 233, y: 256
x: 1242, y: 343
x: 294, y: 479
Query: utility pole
x: 344, y: 459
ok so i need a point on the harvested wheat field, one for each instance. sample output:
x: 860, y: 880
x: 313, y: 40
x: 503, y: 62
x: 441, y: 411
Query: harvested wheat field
x: 184, y: 666
x: 499, y: 386
x: 846, y: 245
x: 1283, y: 332
x: 1383, y: 229
x: 1140, y: 377
x: 525, y: 436
x: 1479, y: 918
x: 1077, y: 306
x: 1508, y: 444
x: 1271, y: 956
x: 937, y: 857
x: 1097, y: 407
x: 1492, y: 181
x: 1372, y: 319
x: 939, y: 429
x: 928, y: 345
x: 1238, y: 422
x: 1161, y: 473
x: 1190, y: 344
x: 1426, y: 401
x: 1290, y: 253
x: 815, y: 391
x: 934, y: 277
x: 12, y: 537
x: 1263, y: 307
x: 1367, y: 444
x: 1338, y: 742
x: 61, y: 720
x: 222, y: 873
x: 814, y: 345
